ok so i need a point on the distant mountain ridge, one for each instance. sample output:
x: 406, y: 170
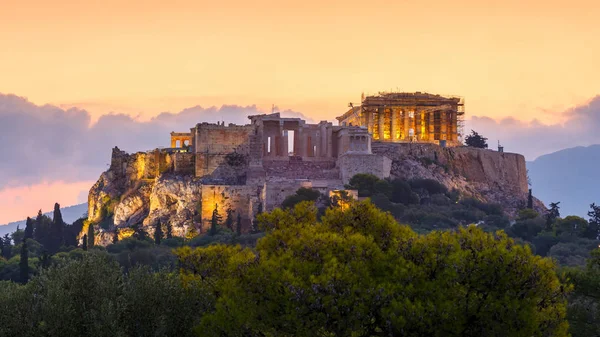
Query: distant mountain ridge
x: 570, y: 176
x: 69, y: 214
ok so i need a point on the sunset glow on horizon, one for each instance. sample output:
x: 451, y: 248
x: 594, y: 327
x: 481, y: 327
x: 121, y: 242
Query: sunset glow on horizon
x: 529, y: 60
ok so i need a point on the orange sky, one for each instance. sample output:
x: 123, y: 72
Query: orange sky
x: 505, y: 57
x: 527, y: 59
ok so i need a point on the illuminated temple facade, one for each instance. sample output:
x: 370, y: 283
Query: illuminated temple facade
x: 409, y: 117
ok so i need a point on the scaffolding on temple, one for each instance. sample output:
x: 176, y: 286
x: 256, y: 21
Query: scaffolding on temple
x: 409, y: 117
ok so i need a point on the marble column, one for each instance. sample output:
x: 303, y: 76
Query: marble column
x: 394, y: 125
x: 381, y: 121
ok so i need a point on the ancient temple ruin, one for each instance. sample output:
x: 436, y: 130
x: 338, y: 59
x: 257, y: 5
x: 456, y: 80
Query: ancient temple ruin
x: 242, y: 166
x: 255, y: 166
x: 409, y: 117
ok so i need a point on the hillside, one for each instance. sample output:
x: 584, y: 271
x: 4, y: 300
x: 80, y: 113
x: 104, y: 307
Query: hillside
x: 70, y: 214
x: 139, y: 190
x: 569, y: 176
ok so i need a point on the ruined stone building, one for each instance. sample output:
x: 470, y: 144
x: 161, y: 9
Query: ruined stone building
x: 272, y: 156
x: 409, y: 117
x: 259, y: 164
x: 246, y: 169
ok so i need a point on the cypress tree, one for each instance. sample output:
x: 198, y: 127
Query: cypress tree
x: 45, y: 260
x: 24, y: 263
x: 90, y: 235
x: 169, y: 230
x: 57, y: 230
x: 115, y: 238
x: 139, y: 233
x: 215, y: 221
x: 238, y: 225
x: 6, y: 252
x: 530, y: 200
x: 158, y: 233
x: 85, y: 241
x: 38, y: 231
x: 229, y: 219
x: 29, y: 228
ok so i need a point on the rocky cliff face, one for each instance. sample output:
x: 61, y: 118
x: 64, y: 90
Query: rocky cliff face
x: 140, y: 189
x: 487, y: 175
x: 133, y: 192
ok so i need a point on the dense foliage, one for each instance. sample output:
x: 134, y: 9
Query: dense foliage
x: 319, y: 267
x: 358, y: 273
x: 476, y: 140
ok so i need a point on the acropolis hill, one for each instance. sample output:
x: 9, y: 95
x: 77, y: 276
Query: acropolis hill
x: 254, y: 167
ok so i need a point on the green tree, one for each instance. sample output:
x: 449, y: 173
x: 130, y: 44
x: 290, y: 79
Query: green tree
x: 56, y: 230
x: 24, y: 263
x: 90, y: 235
x: 29, y: 227
x: 341, y: 198
x: 583, y: 312
x: 530, y: 200
x: 356, y: 272
x: 139, y: 232
x: 169, y: 230
x: 571, y: 225
x: 192, y: 232
x: 215, y: 220
x: 476, y: 140
x: 364, y: 183
x: 85, y: 242
x: 229, y: 219
x: 302, y: 194
x: 402, y: 193
x: 594, y: 222
x: 158, y: 233
x: 552, y: 214
x: 115, y: 237
x: 6, y: 247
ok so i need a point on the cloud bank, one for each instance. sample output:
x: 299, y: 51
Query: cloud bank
x: 47, y: 143
x: 534, y: 138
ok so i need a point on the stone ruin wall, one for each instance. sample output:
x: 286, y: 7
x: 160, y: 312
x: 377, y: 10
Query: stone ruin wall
x: 351, y: 164
x: 214, y: 142
x: 476, y: 165
x: 184, y: 163
x: 240, y: 199
x: 277, y: 189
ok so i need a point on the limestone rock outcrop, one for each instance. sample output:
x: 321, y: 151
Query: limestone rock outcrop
x: 133, y: 192
x: 144, y: 188
x: 487, y: 175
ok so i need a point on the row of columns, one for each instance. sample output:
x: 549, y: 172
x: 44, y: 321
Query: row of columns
x: 405, y: 124
x: 318, y: 143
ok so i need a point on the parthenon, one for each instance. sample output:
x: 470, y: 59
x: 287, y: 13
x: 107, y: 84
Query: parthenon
x: 409, y: 117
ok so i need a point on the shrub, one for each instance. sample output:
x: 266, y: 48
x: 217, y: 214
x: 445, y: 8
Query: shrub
x: 429, y: 185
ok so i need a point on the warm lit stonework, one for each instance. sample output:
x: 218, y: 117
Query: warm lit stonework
x: 409, y: 117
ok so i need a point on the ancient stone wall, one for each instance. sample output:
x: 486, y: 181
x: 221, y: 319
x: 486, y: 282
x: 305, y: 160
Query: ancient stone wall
x: 351, y: 164
x: 184, y: 163
x: 240, y: 199
x: 476, y: 165
x: 214, y: 142
x: 299, y: 168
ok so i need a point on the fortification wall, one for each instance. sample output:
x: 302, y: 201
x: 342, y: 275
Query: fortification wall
x: 242, y: 200
x: 351, y: 164
x: 184, y: 163
x: 214, y: 142
x: 299, y: 168
x: 507, y: 170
